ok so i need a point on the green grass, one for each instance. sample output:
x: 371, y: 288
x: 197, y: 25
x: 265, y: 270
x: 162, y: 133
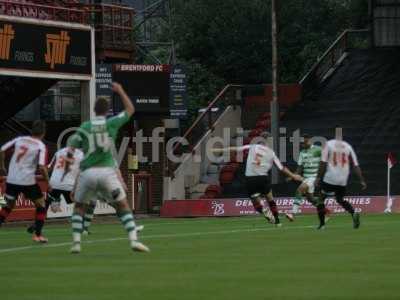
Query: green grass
x: 229, y: 258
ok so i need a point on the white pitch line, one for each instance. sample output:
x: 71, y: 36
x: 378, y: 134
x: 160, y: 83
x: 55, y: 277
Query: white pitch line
x: 155, y: 236
x: 60, y: 228
x: 254, y: 229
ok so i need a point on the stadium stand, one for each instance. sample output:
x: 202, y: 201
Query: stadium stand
x: 353, y: 85
x: 362, y: 98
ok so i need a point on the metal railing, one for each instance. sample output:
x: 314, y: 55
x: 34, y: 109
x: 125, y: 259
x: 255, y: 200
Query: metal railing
x: 43, y: 12
x: 349, y: 39
x: 16, y: 127
x: 229, y: 95
x: 113, y: 25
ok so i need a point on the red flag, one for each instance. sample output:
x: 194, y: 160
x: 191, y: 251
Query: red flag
x: 391, y: 160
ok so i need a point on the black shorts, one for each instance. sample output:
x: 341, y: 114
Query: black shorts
x: 55, y: 195
x: 330, y: 189
x: 258, y: 185
x: 31, y: 192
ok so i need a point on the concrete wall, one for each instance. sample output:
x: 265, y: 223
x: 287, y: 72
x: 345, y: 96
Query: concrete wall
x: 195, y: 165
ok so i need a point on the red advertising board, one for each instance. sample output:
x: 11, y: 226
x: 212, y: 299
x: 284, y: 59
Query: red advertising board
x: 242, y: 207
x: 24, y: 210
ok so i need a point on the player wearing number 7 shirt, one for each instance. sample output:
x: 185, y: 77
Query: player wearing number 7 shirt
x: 333, y: 174
x: 29, y: 154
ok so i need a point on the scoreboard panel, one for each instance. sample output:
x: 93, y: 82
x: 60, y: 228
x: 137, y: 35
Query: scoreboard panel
x: 147, y: 85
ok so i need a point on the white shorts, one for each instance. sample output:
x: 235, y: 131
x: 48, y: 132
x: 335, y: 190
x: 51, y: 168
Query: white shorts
x: 99, y: 183
x: 310, y: 182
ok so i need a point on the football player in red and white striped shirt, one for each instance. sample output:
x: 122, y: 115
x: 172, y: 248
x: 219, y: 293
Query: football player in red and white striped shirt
x: 62, y: 179
x: 260, y: 161
x: 333, y: 174
x: 29, y: 154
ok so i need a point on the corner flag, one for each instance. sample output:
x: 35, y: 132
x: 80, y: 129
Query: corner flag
x: 391, y: 161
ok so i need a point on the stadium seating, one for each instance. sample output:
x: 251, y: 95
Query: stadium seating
x: 212, y: 192
x: 362, y: 97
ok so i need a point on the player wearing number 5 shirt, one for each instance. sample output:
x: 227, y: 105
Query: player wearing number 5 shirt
x: 260, y: 161
x: 29, y: 155
x: 333, y: 174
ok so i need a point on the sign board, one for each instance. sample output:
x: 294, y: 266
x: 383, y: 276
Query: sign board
x: 178, y: 92
x: 45, y: 48
x: 25, y: 209
x: 146, y: 85
x: 244, y: 207
x: 103, y: 80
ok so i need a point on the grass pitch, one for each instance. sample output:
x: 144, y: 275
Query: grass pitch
x: 226, y: 258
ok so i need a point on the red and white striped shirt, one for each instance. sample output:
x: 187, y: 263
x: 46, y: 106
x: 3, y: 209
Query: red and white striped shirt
x: 28, y: 154
x: 338, y: 155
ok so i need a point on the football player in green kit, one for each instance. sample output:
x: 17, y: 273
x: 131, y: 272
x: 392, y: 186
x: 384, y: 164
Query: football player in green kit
x: 98, y: 175
x: 307, y: 166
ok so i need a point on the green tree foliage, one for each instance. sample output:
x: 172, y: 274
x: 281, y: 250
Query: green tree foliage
x: 230, y: 40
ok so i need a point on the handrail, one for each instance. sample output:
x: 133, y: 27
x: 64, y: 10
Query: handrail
x: 331, y: 56
x: 207, y: 113
x: 12, y: 124
x: 50, y: 11
x: 15, y: 123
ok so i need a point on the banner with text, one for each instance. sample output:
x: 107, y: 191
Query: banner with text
x: 243, y: 207
x: 43, y: 48
x: 25, y: 210
x: 178, y: 92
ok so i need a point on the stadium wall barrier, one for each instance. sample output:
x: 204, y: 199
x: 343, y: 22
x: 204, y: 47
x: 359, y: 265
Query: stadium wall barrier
x: 243, y: 207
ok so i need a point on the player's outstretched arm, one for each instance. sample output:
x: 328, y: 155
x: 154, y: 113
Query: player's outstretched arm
x: 223, y: 150
x: 357, y: 169
x: 360, y: 176
x: 228, y: 149
x: 45, y: 174
x: 126, y: 101
x: 290, y: 174
x: 285, y: 170
x: 51, y: 164
x: 299, y: 171
x: 3, y: 150
x: 68, y: 162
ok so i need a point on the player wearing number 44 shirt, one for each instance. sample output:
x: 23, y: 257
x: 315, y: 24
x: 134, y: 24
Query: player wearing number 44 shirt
x: 29, y: 154
x: 260, y: 161
x: 333, y: 174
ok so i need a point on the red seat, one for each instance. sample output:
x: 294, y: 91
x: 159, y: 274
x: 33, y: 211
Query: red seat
x: 256, y: 132
x: 226, y: 177
x: 266, y: 115
x: 263, y: 124
x: 213, y: 191
x: 231, y: 167
x: 247, y: 141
